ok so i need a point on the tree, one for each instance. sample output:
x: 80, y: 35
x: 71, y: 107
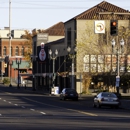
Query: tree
x: 29, y: 43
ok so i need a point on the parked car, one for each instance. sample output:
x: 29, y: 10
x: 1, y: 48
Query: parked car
x: 68, y: 93
x: 106, y: 99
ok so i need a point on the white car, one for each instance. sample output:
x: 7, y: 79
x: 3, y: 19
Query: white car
x: 106, y: 99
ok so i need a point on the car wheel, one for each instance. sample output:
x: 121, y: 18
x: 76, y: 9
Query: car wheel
x: 94, y: 105
x: 64, y: 98
x: 60, y: 98
x: 116, y: 107
x: 98, y: 105
x: 76, y: 99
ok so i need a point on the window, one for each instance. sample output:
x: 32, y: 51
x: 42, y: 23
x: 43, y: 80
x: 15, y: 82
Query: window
x: 4, y: 51
x: 69, y: 37
x: 17, y: 51
x: 22, y: 51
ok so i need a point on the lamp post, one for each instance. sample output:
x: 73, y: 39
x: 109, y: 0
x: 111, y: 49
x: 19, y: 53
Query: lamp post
x: 34, y: 58
x: 18, y: 62
x: 119, y: 50
x: 53, y: 57
x: 72, y: 56
x: 11, y: 63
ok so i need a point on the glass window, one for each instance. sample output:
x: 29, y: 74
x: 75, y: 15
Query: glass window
x: 22, y: 51
x: 69, y: 37
x: 4, y: 51
x: 17, y: 51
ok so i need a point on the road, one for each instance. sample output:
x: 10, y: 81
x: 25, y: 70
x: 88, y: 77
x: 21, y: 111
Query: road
x: 23, y: 110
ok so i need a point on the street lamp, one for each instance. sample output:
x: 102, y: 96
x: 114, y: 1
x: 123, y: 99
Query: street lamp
x: 34, y: 58
x: 53, y: 57
x: 119, y: 50
x: 72, y: 56
x: 11, y: 63
x: 18, y: 62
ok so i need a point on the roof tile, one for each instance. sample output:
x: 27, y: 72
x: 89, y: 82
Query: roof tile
x: 56, y: 30
x: 101, y: 7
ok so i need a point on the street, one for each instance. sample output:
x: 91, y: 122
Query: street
x: 24, y: 110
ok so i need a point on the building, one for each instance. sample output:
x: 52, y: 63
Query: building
x: 40, y: 67
x: 10, y: 69
x: 83, y: 29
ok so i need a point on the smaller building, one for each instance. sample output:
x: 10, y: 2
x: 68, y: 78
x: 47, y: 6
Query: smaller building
x: 14, y: 48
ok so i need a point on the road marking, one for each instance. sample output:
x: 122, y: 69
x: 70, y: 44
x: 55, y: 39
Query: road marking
x: 4, y: 100
x: 23, y: 106
x: 10, y: 102
x: 43, y: 113
x: 32, y: 109
x: 16, y: 104
x: 0, y: 114
x: 8, y: 93
x: 0, y: 98
x: 86, y: 113
x: 42, y: 103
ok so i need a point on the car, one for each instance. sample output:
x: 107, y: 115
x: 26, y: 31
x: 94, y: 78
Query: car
x: 68, y: 93
x: 106, y: 99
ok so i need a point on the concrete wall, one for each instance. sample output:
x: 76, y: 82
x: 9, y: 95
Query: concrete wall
x: 54, y: 38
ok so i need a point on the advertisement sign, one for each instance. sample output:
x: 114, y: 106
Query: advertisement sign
x: 42, y: 53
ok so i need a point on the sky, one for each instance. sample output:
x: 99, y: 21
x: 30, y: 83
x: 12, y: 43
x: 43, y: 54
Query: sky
x: 42, y: 14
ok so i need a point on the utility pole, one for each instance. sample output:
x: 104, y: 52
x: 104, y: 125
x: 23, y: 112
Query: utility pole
x: 9, y: 28
x: 10, y: 42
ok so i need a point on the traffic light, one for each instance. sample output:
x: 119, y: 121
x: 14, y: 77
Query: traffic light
x: 114, y: 27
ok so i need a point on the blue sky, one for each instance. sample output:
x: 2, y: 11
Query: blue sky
x: 42, y: 14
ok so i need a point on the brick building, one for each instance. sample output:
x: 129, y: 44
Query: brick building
x: 16, y: 52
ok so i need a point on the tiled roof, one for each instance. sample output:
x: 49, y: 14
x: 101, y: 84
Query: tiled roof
x: 56, y: 30
x: 104, y: 6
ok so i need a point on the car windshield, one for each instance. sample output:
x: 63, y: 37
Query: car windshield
x: 108, y: 95
x: 70, y: 90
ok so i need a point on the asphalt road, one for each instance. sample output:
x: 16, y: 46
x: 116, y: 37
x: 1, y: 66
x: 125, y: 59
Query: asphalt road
x: 24, y: 110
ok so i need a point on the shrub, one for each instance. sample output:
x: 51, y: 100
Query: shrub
x: 6, y: 81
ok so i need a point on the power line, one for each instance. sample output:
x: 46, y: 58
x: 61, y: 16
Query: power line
x: 46, y: 7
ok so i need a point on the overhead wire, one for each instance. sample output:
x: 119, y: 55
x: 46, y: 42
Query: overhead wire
x: 41, y: 5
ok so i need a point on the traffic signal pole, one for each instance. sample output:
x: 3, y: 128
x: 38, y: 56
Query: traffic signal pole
x: 114, y: 27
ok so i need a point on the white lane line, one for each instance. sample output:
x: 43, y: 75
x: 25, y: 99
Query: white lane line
x: 4, y: 100
x: 10, y: 102
x: 16, y: 104
x: 0, y: 114
x: 23, y: 106
x: 86, y: 113
x: 8, y: 93
x: 0, y: 98
x: 32, y: 109
x: 83, y: 112
x: 43, y: 113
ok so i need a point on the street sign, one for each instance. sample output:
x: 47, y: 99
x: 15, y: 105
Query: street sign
x: 117, y: 78
x: 5, y: 65
x: 99, y: 26
x: 117, y: 83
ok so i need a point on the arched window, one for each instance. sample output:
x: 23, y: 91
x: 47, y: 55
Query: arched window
x: 4, y: 51
x: 22, y: 51
x: 17, y: 51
